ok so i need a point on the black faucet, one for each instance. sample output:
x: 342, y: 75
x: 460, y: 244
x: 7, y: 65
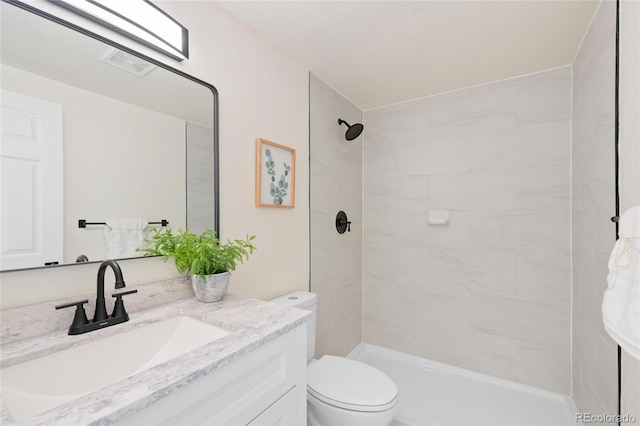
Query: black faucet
x: 101, y: 310
x: 80, y: 322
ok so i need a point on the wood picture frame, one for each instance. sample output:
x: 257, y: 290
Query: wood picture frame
x: 275, y: 175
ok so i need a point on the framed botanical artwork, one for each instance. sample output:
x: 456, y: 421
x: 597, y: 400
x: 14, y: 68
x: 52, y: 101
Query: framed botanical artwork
x: 275, y: 175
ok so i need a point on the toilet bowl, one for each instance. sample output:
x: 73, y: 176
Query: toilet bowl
x: 342, y: 391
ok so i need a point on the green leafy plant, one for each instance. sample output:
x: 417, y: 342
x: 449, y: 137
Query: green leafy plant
x: 199, y: 254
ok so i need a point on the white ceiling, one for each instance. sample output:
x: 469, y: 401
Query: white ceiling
x: 377, y: 53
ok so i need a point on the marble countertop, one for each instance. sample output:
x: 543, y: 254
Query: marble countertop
x: 252, y: 323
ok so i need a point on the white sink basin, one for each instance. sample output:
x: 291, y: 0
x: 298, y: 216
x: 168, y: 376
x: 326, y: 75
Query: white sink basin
x: 38, y: 385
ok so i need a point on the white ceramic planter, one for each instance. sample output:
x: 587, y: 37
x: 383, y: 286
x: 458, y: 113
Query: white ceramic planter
x: 210, y: 288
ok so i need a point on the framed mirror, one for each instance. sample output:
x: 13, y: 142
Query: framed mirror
x: 93, y: 131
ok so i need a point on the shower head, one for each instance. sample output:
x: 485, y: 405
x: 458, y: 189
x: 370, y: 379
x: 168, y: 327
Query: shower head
x: 352, y: 131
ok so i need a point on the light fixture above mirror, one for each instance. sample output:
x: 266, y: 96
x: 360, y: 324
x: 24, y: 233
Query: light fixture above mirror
x: 140, y: 20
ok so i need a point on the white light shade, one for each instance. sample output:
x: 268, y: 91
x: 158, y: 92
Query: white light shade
x: 138, y: 19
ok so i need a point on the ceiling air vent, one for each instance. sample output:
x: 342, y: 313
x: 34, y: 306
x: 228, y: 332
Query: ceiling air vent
x: 128, y: 62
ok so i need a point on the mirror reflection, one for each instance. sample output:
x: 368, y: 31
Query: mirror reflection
x: 93, y: 133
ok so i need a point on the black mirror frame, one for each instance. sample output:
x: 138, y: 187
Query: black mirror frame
x: 214, y: 91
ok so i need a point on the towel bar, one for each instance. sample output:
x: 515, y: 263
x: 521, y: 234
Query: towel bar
x: 82, y: 223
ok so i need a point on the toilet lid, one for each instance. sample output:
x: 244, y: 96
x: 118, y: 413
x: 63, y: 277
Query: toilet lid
x: 351, y: 384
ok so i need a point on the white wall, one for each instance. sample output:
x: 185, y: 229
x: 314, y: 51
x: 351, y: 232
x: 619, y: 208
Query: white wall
x: 99, y: 181
x: 263, y: 93
x: 130, y: 166
x: 489, y: 291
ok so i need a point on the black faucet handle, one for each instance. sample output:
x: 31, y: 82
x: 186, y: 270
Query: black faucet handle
x: 118, y: 307
x: 80, y: 317
x: 123, y: 293
x: 70, y: 304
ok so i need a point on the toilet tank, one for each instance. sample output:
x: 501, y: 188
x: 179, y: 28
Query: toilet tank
x: 308, y: 301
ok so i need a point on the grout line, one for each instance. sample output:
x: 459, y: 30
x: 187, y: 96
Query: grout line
x: 362, y: 236
x: 470, y: 87
x: 571, y: 275
x: 309, y: 183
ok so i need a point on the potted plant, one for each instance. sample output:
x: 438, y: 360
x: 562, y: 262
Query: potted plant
x: 208, y: 261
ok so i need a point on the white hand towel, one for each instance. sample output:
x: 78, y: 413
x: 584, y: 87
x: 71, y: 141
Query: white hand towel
x: 621, y: 303
x: 123, y: 236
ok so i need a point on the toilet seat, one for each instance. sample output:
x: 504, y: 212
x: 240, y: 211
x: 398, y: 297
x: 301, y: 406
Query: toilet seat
x: 351, y: 385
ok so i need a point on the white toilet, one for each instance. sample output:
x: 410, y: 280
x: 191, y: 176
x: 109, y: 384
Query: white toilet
x: 342, y: 391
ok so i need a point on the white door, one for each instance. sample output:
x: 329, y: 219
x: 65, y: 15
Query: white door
x: 31, y: 182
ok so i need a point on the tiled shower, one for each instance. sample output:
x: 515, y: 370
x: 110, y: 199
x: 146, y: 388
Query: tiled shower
x: 594, y: 357
x: 490, y: 291
x: 335, y: 185
x: 511, y: 285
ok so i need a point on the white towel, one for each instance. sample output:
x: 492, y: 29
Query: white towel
x: 621, y: 303
x: 123, y: 236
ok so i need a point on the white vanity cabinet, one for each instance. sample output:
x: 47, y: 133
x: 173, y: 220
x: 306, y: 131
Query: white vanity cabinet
x: 266, y: 386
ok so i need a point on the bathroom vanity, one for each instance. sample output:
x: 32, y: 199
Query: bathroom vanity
x: 252, y: 371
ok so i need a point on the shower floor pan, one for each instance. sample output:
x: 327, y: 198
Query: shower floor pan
x: 432, y: 393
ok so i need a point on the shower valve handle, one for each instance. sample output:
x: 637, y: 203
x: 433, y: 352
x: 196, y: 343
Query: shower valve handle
x: 342, y: 223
